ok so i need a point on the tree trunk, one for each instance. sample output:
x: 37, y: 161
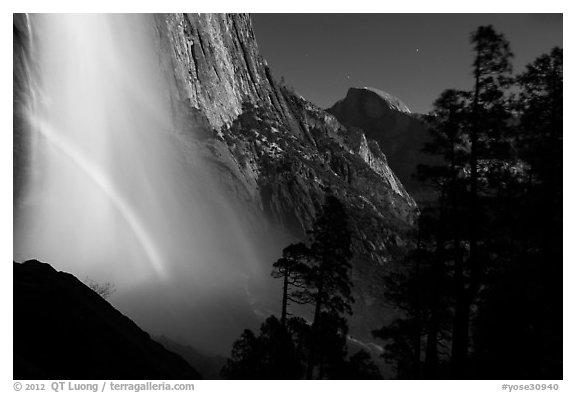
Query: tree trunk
x: 315, y: 323
x: 431, y: 361
x: 418, y: 316
x: 284, y: 298
x: 460, y: 334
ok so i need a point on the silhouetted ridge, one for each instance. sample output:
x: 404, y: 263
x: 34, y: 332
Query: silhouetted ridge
x: 64, y: 330
x: 208, y: 365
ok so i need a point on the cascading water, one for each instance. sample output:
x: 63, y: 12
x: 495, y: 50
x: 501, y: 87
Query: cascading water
x: 112, y: 194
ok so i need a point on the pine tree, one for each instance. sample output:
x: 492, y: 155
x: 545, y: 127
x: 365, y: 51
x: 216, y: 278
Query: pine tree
x: 519, y: 326
x: 360, y: 367
x: 485, y: 279
x: 421, y: 290
x: 328, y: 275
x: 270, y: 355
x: 471, y: 137
x: 244, y: 360
x: 293, y: 268
x: 315, y: 275
x: 540, y: 107
x: 488, y: 125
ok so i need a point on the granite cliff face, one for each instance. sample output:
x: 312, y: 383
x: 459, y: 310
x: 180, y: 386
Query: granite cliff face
x: 275, y: 153
x: 280, y: 153
x: 387, y: 120
x: 217, y: 66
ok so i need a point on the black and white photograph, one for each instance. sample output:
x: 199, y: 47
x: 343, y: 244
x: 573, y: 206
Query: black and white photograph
x: 287, y: 196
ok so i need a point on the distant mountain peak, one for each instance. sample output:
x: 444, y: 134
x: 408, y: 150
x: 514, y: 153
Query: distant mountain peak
x: 399, y: 133
x: 395, y: 102
x: 390, y: 102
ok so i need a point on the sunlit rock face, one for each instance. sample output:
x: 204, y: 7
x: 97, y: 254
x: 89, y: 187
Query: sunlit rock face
x: 217, y: 65
x: 288, y: 152
x: 387, y: 120
x: 166, y: 159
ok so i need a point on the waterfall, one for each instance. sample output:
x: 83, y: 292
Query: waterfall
x: 114, y: 194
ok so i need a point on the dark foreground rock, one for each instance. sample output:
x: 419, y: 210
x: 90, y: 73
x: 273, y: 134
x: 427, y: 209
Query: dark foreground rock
x: 64, y: 330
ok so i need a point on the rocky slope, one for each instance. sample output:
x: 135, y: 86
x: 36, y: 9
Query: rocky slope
x: 280, y: 153
x: 387, y: 120
x: 277, y: 154
x: 209, y: 366
x: 64, y: 330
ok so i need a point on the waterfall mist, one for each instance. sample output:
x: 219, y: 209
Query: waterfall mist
x: 114, y: 193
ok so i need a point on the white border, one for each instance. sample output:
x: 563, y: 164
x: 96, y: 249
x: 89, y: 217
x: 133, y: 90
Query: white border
x: 421, y: 6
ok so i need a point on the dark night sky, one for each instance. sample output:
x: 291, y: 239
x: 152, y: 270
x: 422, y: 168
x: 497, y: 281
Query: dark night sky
x: 412, y: 56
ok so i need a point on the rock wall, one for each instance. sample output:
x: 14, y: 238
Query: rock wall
x: 285, y: 152
x: 400, y: 134
x: 274, y: 153
x: 217, y: 65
